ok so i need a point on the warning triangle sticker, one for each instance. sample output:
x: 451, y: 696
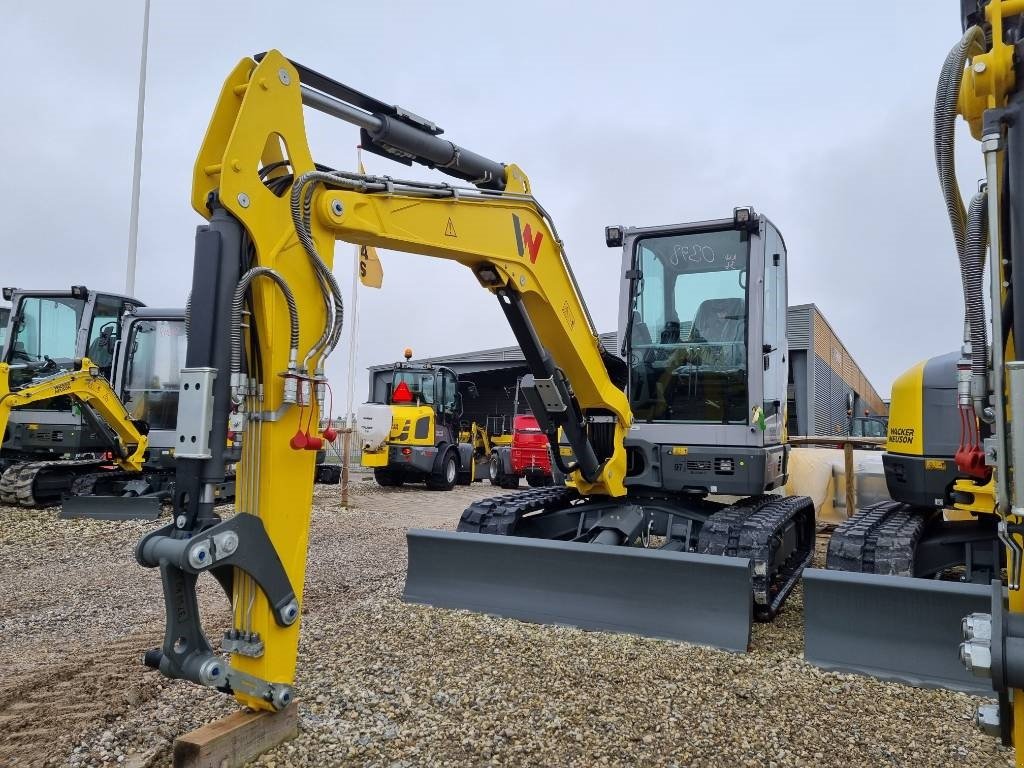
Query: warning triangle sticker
x: 449, y: 231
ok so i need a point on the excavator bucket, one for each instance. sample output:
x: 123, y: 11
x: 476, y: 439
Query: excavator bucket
x: 701, y: 599
x: 891, y: 627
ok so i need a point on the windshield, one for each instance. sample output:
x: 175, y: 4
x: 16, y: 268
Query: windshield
x: 157, y: 355
x: 46, y: 327
x: 419, y: 383
x: 688, y: 330
x: 5, y: 314
x: 867, y: 427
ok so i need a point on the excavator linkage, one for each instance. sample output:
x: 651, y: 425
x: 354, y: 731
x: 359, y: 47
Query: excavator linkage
x: 693, y: 571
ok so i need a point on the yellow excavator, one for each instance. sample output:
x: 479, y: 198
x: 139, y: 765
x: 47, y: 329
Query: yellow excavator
x: 954, y: 437
x: 89, y: 387
x: 708, y: 384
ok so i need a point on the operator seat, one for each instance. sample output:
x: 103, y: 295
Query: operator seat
x: 719, y: 320
x: 101, y: 350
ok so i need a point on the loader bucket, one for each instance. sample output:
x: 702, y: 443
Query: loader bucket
x: 111, y: 507
x: 693, y: 598
x: 891, y: 627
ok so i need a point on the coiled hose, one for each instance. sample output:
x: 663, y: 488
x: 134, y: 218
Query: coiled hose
x: 970, y: 247
x: 238, y: 304
x: 977, y: 242
x: 301, y: 208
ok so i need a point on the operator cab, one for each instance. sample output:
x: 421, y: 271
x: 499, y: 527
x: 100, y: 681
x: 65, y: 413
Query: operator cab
x: 425, y: 385
x: 49, y: 330
x: 703, y: 307
x: 148, y: 366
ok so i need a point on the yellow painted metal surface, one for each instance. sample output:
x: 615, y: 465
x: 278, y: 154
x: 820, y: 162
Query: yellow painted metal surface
x: 374, y: 458
x: 257, y: 119
x: 906, y: 413
x: 486, y: 233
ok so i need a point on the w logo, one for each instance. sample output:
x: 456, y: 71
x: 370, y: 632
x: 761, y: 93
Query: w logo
x: 527, y: 239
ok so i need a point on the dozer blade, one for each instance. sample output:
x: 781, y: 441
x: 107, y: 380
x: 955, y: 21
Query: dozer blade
x: 693, y: 598
x: 111, y: 507
x: 891, y: 627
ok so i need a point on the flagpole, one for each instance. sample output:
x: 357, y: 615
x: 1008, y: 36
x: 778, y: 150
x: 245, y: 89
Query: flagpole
x: 133, y: 224
x: 353, y: 323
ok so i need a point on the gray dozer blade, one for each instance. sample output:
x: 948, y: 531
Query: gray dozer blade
x: 110, y: 507
x: 700, y: 599
x: 891, y: 627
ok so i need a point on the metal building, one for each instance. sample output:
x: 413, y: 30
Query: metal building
x: 823, y: 378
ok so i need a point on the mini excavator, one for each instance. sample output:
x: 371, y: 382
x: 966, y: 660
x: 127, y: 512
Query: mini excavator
x: 707, y: 382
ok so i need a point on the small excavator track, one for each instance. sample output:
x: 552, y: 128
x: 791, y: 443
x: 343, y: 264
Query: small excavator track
x: 500, y: 514
x: 881, y: 538
x: 41, y: 483
x: 776, y: 532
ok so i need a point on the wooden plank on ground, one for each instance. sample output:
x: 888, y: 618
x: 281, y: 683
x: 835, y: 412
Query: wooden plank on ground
x: 234, y: 740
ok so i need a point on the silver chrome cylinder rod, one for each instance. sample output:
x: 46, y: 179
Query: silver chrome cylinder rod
x: 329, y: 105
x: 991, y: 143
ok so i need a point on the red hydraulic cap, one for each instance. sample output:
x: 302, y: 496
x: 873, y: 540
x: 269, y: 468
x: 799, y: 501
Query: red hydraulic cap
x: 313, y: 443
x: 330, y: 434
x: 402, y: 394
x: 298, y: 441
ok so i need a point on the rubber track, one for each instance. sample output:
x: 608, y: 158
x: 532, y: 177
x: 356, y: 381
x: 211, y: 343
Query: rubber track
x: 880, y: 539
x: 752, y: 528
x: 18, y: 483
x: 499, y: 514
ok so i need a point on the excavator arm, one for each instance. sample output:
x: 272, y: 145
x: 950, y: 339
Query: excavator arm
x: 88, y: 387
x: 250, y: 396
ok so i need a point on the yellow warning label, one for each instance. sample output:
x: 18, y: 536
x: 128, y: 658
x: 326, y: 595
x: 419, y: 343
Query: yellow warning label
x: 937, y: 464
x: 565, y: 450
x: 449, y: 230
x: 678, y: 450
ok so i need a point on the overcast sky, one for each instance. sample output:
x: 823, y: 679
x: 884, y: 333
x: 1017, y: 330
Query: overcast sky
x: 819, y: 115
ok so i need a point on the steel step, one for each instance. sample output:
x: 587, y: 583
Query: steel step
x: 701, y: 599
x: 891, y: 627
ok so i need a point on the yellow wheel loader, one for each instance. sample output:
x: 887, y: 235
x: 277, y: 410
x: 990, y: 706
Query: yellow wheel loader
x: 414, y: 436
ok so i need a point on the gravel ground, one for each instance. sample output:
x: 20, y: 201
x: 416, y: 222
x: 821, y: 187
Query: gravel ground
x: 386, y: 684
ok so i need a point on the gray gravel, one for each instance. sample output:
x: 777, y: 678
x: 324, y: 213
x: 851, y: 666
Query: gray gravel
x: 386, y: 684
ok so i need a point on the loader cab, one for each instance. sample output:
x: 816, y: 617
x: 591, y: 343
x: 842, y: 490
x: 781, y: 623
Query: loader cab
x: 437, y: 387
x: 703, y: 328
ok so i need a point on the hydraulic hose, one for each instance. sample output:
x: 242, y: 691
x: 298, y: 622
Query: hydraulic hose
x: 971, y: 260
x: 301, y: 209
x: 977, y: 242
x: 238, y: 304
